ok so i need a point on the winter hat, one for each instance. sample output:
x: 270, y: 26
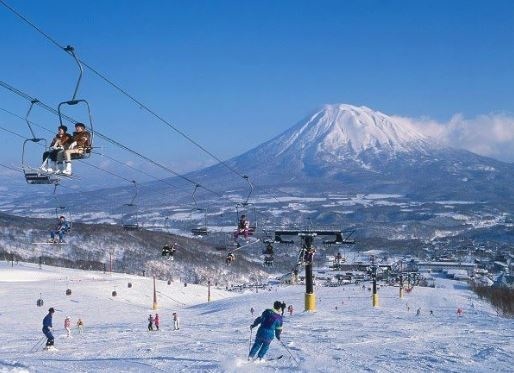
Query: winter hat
x: 80, y: 125
x: 51, y: 310
x: 277, y: 305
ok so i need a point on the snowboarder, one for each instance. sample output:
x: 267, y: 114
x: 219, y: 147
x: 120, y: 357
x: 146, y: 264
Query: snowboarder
x: 150, y: 323
x: 60, y: 230
x: 157, y: 321
x: 47, y: 325
x: 67, y: 326
x: 175, y: 321
x: 270, y: 326
x: 80, y: 326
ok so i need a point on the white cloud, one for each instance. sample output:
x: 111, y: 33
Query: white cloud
x: 491, y: 135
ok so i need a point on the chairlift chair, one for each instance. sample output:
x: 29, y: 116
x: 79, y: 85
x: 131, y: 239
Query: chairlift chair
x: 130, y: 217
x: 74, y: 101
x: 202, y: 229
x: 33, y: 174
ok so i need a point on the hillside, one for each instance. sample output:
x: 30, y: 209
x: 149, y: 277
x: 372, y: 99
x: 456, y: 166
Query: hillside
x: 345, y: 334
x: 94, y: 245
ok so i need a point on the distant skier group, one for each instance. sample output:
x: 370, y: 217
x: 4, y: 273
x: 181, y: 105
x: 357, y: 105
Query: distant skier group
x: 156, y: 321
x: 48, y: 327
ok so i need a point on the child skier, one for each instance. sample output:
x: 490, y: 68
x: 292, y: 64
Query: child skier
x: 150, y: 323
x: 270, y: 326
x: 67, y: 326
x: 47, y: 325
x: 175, y: 321
x: 80, y: 326
x: 157, y: 321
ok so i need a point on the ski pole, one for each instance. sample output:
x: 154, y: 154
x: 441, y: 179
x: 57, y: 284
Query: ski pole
x: 40, y: 342
x: 287, y: 349
x: 250, y: 343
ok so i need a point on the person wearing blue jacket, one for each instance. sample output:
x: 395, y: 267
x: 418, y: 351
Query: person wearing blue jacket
x: 270, y: 326
x: 47, y: 324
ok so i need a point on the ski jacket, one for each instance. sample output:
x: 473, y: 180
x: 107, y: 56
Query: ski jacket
x: 58, y: 140
x: 62, y: 226
x: 156, y: 320
x: 270, y: 325
x: 67, y: 323
x: 47, y: 321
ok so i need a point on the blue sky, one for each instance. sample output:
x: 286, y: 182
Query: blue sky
x: 233, y: 74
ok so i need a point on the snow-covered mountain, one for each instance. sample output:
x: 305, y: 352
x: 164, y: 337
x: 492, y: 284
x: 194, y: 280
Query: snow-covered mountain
x: 340, y: 161
x: 339, y: 132
x: 355, y: 149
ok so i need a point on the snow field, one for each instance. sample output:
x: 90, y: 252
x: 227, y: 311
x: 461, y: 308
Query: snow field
x: 214, y: 337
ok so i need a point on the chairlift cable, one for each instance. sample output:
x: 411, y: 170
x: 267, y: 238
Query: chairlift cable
x: 123, y: 91
x: 108, y: 139
x: 10, y: 168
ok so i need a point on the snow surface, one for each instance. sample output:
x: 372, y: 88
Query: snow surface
x: 214, y: 337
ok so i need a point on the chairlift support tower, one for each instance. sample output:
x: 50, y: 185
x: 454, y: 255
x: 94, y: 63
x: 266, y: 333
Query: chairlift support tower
x: 334, y: 237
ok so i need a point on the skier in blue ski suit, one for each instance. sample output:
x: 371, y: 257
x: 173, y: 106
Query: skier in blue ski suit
x: 47, y: 324
x: 270, y: 326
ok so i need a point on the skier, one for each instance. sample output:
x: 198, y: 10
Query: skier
x: 47, y: 325
x: 282, y: 308
x: 418, y: 312
x: 290, y: 309
x: 61, y: 229
x: 460, y: 312
x: 67, y: 326
x: 270, y: 326
x: 156, y: 321
x: 80, y: 326
x: 175, y: 321
x: 150, y: 323
x: 252, y: 311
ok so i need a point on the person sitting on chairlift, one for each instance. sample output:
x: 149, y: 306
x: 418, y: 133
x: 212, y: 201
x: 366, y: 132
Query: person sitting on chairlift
x: 230, y: 258
x: 169, y: 250
x: 243, y: 227
x: 60, y: 142
x: 81, y: 144
x: 60, y: 230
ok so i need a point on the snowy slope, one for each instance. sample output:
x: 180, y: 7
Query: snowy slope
x: 214, y: 336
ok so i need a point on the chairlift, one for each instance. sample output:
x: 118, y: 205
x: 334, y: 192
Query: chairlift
x: 86, y: 152
x: 129, y: 217
x: 200, y: 230
x: 169, y: 251
x: 33, y: 174
x: 61, y: 210
x: 230, y: 258
x: 268, y: 260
